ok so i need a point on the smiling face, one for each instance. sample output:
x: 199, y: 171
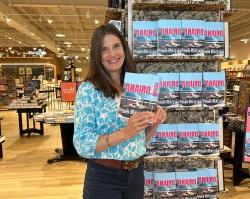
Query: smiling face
x: 112, y: 54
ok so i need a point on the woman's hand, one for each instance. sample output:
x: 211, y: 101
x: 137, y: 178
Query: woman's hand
x: 160, y: 116
x: 138, y: 122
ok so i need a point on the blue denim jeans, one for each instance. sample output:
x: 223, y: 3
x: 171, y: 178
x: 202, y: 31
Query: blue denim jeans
x: 107, y: 183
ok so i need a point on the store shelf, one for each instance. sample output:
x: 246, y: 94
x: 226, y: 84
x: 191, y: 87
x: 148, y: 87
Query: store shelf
x: 180, y: 158
x: 113, y: 14
x: 194, y: 109
x: 178, y: 6
x: 179, y: 59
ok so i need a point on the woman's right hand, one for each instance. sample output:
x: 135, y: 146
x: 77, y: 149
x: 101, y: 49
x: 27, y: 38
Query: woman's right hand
x: 138, y: 122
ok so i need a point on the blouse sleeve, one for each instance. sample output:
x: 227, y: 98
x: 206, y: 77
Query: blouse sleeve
x: 85, y: 138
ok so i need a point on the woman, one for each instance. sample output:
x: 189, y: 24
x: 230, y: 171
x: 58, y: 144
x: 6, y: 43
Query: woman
x: 113, y: 146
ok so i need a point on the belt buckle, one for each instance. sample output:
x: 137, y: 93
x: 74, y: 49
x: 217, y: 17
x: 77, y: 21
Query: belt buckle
x: 131, y: 165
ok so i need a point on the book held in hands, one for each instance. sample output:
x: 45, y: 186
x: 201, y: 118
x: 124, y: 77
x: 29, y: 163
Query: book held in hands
x: 140, y: 93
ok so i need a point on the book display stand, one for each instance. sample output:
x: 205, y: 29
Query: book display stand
x: 147, y: 61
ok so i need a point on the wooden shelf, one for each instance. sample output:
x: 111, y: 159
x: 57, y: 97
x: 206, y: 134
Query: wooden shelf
x: 178, y: 6
x: 113, y: 13
x: 179, y: 59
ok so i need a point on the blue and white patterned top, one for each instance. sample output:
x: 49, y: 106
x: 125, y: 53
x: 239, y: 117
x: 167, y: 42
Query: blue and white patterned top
x: 96, y: 115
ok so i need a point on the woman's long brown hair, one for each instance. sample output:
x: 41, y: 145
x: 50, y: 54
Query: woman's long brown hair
x: 97, y: 74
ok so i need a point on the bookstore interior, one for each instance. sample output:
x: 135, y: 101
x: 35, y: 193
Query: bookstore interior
x: 192, y: 58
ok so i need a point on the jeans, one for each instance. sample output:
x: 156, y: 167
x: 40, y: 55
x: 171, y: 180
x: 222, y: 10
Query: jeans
x: 107, y: 183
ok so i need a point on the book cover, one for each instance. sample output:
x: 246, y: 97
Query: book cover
x: 151, y: 148
x: 188, y: 139
x: 214, y: 39
x: 207, y: 183
x: 247, y: 148
x: 145, y: 38
x: 190, y: 89
x: 186, y: 184
x: 209, y: 138
x: 214, y: 89
x: 148, y: 184
x: 169, y: 95
x: 166, y: 136
x: 193, y: 37
x: 140, y: 93
x: 165, y: 185
x: 169, y: 37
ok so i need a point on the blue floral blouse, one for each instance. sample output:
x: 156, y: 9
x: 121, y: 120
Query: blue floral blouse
x: 96, y: 115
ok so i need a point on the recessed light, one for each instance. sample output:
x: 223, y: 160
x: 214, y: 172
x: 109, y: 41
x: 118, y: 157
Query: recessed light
x: 97, y: 21
x: 7, y: 19
x: 60, y: 35
x: 67, y: 43
x: 83, y: 49
x: 50, y: 21
x: 245, y: 40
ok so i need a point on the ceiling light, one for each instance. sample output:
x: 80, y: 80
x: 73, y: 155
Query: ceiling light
x: 50, y: 21
x: 245, y: 40
x: 67, y: 43
x: 83, y: 49
x: 19, y: 42
x: 58, y: 49
x: 42, y: 45
x: 97, y: 22
x: 7, y: 19
x: 76, y: 57
x: 9, y: 37
x: 60, y: 35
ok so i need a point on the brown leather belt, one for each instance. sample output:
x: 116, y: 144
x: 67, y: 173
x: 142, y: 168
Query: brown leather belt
x: 119, y: 164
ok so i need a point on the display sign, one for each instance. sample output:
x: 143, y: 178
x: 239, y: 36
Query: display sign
x: 247, y: 138
x: 68, y: 91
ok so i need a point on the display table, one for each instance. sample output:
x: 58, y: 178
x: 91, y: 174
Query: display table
x: 29, y: 111
x: 68, y: 151
x: 2, y: 139
x: 237, y: 125
x: 66, y: 122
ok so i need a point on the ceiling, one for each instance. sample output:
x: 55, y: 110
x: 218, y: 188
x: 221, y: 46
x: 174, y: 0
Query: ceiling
x: 30, y: 24
x: 239, y: 21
